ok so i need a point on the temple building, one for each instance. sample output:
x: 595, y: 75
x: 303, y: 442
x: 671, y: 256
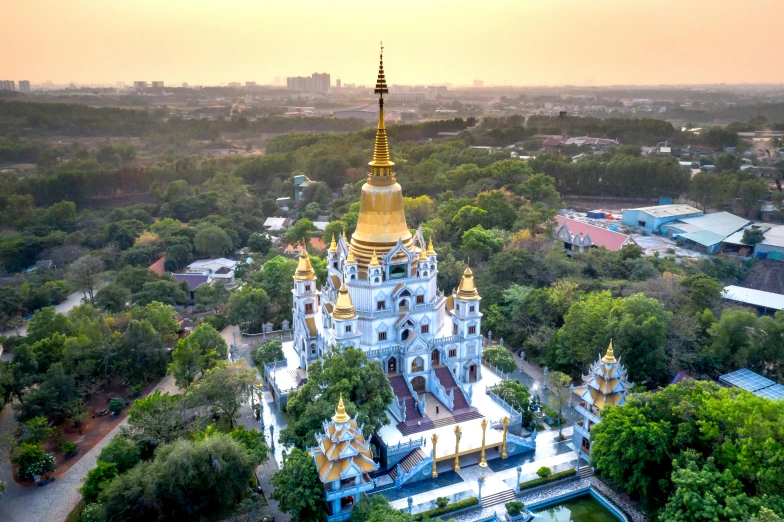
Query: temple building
x: 343, y: 461
x: 381, y: 296
x: 605, y: 385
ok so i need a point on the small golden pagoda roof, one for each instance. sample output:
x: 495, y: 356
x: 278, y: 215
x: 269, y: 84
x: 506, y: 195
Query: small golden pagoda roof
x: 304, y: 268
x: 422, y: 255
x: 340, y: 417
x: 374, y: 259
x: 467, y: 289
x: 333, y: 247
x: 344, y: 308
x: 609, y: 357
x: 350, y: 258
x: 430, y: 250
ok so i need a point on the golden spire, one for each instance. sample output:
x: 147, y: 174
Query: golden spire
x: 422, y: 255
x: 430, y: 250
x: 382, y: 220
x: 333, y: 247
x: 344, y: 236
x: 467, y: 289
x: 609, y: 357
x: 344, y: 308
x: 374, y: 259
x: 304, y: 268
x: 350, y: 258
x: 381, y: 166
x: 341, y: 417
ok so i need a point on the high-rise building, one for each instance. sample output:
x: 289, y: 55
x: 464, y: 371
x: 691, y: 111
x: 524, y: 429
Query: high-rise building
x: 158, y: 85
x: 24, y: 86
x: 250, y: 84
x: 7, y: 85
x: 317, y: 82
x: 184, y: 85
x: 139, y: 85
x: 235, y: 85
x: 337, y: 83
x: 479, y: 84
x: 276, y: 81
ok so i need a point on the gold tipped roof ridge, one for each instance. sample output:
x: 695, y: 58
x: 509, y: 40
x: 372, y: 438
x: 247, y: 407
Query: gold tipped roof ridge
x: 333, y: 247
x: 430, y: 250
x: 304, y: 268
x: 609, y: 357
x: 467, y: 289
x: 344, y: 308
x: 341, y: 417
x: 374, y: 259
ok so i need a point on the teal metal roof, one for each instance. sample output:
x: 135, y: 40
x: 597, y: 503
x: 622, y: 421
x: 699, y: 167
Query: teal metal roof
x: 703, y: 237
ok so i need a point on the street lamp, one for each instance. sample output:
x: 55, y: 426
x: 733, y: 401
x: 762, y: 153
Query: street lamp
x: 410, y: 505
x: 519, y: 472
x: 481, y: 482
x: 272, y: 436
x: 545, y: 377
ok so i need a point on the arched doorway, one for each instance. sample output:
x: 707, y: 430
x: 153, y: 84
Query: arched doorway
x: 405, y: 334
x: 472, y: 373
x: 403, y: 305
x: 418, y: 383
x: 392, y: 365
x: 435, y: 358
x: 418, y: 365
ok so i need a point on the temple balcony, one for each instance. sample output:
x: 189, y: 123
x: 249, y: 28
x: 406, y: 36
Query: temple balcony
x: 589, y: 411
x: 351, y: 490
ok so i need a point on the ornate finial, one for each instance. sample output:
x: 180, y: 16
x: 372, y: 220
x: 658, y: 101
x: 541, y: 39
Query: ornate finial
x: 341, y: 417
x: 344, y: 308
x: 609, y: 357
x: 344, y: 235
x: 381, y: 165
x: 350, y: 258
x: 333, y: 247
x: 374, y: 259
x: 430, y: 250
x: 466, y: 290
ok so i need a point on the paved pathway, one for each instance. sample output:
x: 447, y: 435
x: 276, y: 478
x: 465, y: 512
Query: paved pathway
x: 51, y: 503
x: 70, y: 302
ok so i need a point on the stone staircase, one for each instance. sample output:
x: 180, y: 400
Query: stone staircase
x: 408, y: 462
x: 400, y: 389
x: 499, y: 498
x: 298, y: 376
x: 584, y: 472
x: 448, y: 382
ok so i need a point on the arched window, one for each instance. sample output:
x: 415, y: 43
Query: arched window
x: 417, y: 365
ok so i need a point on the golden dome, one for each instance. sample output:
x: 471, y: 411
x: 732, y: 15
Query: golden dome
x: 304, y: 268
x: 430, y: 250
x: 609, y: 357
x: 344, y: 308
x: 382, y: 221
x: 333, y: 247
x: 467, y: 289
x: 341, y: 417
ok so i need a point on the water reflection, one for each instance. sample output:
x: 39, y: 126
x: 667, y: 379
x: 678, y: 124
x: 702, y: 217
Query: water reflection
x: 583, y: 509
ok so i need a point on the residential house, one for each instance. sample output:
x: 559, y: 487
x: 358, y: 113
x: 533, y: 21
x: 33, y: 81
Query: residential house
x: 579, y: 237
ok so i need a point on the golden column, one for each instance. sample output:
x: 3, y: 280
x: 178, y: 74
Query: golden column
x: 505, y: 422
x: 482, y: 460
x: 456, y: 467
x: 434, y: 439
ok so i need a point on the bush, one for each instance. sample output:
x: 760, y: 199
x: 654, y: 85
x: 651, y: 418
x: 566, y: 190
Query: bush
x: 32, y: 460
x: 116, y: 405
x: 68, y: 447
x: 121, y: 451
x: 442, y: 502
x: 218, y: 321
x: 545, y: 480
x: 92, y: 513
x: 514, y: 508
x: 433, y: 513
x: 267, y: 353
x: 39, y: 429
x: 501, y: 358
x: 134, y: 390
x: 97, y: 479
x: 544, y: 472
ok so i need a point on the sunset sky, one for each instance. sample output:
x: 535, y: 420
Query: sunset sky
x: 512, y: 42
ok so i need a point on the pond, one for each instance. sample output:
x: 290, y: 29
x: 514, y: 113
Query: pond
x: 582, y: 509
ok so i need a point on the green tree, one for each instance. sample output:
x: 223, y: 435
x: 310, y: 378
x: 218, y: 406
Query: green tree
x: 225, y: 388
x: 213, y: 241
x: 157, y: 419
x: 83, y: 273
x: 347, y: 371
x: 168, y: 292
x: 480, y: 243
x: 298, y: 489
x: 113, y: 298
x: 301, y: 232
x: 143, y: 351
x: 260, y: 243
x: 583, y: 335
x: 703, y: 291
x: 97, y: 479
x: 122, y: 452
x: 186, y: 363
x: 752, y: 236
x: 266, y: 353
x: 162, y: 318
x: 211, y: 297
x: 501, y: 358
x: 560, y: 394
x: 250, y: 306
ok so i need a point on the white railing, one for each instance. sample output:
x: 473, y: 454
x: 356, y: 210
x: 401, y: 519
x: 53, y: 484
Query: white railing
x: 526, y: 442
x: 406, y: 447
x: 514, y: 415
x: 402, y: 477
x: 437, y: 389
x: 398, y: 409
x: 495, y: 370
x: 466, y: 388
x: 420, y: 403
x: 350, y: 491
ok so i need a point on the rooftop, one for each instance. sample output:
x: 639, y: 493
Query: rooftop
x: 754, y: 383
x: 599, y: 236
x: 673, y: 210
x: 754, y: 297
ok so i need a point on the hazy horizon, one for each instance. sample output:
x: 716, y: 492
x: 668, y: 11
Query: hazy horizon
x: 513, y: 43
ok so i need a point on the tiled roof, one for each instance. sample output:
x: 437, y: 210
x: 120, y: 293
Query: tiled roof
x: 193, y: 280
x: 158, y: 266
x: 599, y: 236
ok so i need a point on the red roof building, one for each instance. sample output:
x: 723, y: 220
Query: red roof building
x: 158, y: 266
x: 315, y: 242
x: 579, y: 236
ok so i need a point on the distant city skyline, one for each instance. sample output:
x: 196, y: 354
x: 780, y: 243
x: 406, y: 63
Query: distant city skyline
x: 507, y: 42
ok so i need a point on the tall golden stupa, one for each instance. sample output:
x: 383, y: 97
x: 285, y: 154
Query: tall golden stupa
x: 382, y: 221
